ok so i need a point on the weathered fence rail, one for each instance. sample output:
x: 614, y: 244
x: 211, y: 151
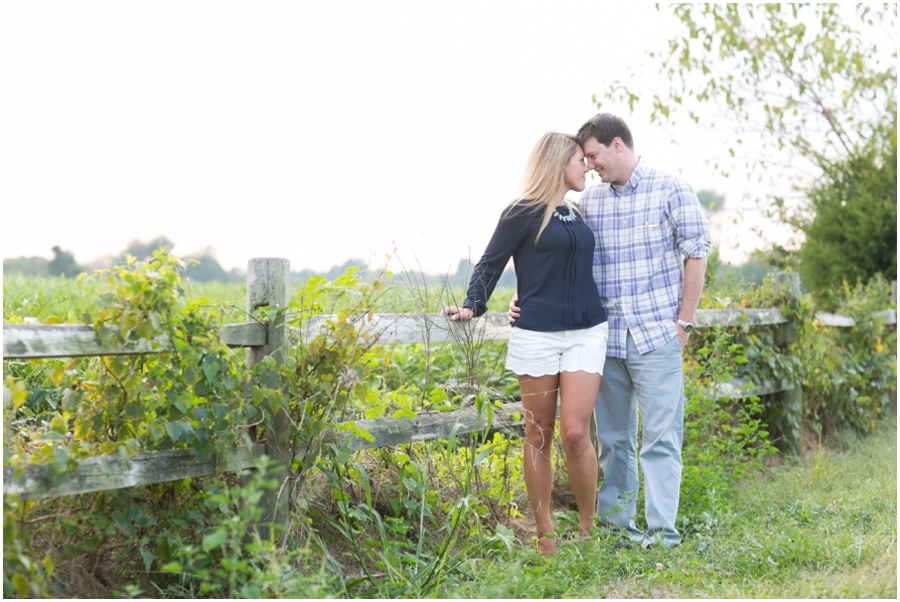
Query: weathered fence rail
x: 27, y: 341
x: 268, y: 284
x: 114, y: 472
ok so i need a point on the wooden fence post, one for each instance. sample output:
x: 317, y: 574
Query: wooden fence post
x: 792, y: 400
x: 893, y: 393
x: 269, y: 285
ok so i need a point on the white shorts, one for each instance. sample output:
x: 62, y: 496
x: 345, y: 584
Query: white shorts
x: 540, y: 353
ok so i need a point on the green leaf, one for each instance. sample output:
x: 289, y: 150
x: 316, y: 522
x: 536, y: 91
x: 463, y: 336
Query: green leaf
x: 70, y: 399
x: 484, y: 454
x: 179, y: 430
x: 211, y: 370
x: 404, y: 414
x: 134, y: 410
x: 172, y: 567
x: 215, y: 539
x: 48, y: 566
x: 135, y: 513
x: 124, y: 524
x: 22, y: 587
x: 361, y: 432
x: 220, y: 410
x: 148, y: 558
x: 201, y: 389
x: 342, y: 454
x: 61, y: 459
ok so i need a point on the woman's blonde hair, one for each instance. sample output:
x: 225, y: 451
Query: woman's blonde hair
x: 543, y: 183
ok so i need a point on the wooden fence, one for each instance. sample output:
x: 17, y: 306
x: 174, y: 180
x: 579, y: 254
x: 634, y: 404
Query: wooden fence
x: 268, y: 284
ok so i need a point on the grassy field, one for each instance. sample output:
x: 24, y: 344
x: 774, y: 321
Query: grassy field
x: 65, y: 300
x: 824, y: 526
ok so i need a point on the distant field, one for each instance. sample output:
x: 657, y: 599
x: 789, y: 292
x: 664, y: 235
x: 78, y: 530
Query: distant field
x: 66, y: 299
x: 41, y: 297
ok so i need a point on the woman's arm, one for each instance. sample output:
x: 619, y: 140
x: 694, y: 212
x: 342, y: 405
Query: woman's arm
x: 508, y: 234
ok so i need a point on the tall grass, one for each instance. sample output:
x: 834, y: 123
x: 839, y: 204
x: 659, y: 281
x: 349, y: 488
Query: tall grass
x: 48, y: 299
x: 822, y: 527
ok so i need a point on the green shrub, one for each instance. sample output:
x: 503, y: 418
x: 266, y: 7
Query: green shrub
x: 852, y: 235
x: 723, y: 437
x: 848, y: 373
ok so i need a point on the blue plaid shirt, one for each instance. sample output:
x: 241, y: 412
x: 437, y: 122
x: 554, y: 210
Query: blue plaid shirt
x: 642, y: 231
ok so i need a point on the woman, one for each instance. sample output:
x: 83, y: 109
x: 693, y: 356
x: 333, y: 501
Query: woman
x: 560, y: 343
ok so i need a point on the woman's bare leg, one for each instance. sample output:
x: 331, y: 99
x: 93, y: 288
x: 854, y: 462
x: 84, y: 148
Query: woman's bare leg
x: 578, y: 393
x: 539, y: 402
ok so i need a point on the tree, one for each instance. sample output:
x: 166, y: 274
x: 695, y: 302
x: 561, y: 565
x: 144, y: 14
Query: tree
x: 807, y: 78
x: 808, y: 87
x: 464, y: 274
x: 142, y: 251
x: 338, y: 270
x: 711, y: 200
x: 63, y: 264
x: 853, y: 235
x: 208, y: 269
x: 26, y: 265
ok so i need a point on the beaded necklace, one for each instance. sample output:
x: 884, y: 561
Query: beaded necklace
x: 569, y: 217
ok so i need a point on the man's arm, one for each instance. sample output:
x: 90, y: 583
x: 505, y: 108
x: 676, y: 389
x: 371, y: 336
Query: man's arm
x: 694, y: 272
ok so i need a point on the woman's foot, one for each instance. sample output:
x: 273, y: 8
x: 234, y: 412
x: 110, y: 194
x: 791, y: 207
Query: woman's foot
x: 547, y: 543
x: 584, y: 529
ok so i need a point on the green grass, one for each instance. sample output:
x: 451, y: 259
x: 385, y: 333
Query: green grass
x: 66, y: 299
x: 822, y: 527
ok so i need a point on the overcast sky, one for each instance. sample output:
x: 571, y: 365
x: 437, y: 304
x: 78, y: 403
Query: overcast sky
x: 315, y: 131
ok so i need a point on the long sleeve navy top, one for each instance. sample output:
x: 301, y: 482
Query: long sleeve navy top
x: 554, y: 278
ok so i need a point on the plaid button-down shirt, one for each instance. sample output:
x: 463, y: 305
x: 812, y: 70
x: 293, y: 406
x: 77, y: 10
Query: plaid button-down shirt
x: 642, y: 232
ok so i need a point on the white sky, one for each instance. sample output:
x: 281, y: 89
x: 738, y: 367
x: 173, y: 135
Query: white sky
x: 315, y: 131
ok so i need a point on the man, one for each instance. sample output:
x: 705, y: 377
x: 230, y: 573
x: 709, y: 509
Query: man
x: 645, y: 222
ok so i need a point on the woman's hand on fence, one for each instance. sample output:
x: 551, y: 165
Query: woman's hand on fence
x: 459, y: 313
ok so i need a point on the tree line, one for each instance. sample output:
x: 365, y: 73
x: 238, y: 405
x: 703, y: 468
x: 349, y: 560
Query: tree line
x: 203, y: 266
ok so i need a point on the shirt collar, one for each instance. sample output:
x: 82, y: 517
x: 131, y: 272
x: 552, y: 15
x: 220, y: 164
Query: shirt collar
x: 640, y: 170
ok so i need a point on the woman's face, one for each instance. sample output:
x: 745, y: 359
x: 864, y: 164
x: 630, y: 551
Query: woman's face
x: 575, y: 171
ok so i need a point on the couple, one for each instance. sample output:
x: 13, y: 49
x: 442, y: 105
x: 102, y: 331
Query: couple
x: 603, y: 290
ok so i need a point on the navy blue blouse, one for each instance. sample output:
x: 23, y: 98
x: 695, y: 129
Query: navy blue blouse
x: 555, y: 278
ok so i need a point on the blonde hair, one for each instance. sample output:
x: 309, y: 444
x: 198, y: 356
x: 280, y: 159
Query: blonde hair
x: 543, y: 183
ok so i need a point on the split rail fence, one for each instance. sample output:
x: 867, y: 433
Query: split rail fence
x: 268, y: 285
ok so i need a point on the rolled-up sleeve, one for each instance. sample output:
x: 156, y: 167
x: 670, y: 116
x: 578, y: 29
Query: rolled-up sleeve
x: 691, y: 226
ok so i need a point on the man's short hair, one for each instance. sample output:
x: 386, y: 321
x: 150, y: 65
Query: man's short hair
x: 605, y: 127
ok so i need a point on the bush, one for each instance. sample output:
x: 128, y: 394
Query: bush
x: 853, y: 234
x: 723, y: 437
x: 848, y: 373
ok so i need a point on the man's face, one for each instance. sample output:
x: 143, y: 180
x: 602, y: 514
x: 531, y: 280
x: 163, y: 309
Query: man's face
x: 603, y: 159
